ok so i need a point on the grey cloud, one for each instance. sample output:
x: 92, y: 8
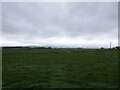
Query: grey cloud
x: 52, y: 20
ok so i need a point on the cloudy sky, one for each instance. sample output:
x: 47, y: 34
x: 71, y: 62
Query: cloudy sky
x: 60, y: 24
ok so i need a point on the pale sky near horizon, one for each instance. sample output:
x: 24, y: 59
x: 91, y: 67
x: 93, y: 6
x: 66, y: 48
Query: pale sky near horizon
x: 62, y: 24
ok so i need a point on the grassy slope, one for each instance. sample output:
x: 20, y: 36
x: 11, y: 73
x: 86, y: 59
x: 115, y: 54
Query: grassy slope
x: 57, y: 68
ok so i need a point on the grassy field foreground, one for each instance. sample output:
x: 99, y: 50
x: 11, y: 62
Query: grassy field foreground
x: 60, y: 68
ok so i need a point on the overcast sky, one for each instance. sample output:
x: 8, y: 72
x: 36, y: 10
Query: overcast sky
x: 62, y: 24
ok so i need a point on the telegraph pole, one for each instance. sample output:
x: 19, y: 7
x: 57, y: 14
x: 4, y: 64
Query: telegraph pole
x: 110, y: 45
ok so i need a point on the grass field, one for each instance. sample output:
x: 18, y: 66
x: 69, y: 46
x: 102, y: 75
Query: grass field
x: 60, y: 68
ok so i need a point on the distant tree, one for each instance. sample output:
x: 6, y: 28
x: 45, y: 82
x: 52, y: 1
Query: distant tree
x: 41, y: 47
x: 102, y: 48
x: 117, y: 47
x: 49, y: 47
x: 113, y: 48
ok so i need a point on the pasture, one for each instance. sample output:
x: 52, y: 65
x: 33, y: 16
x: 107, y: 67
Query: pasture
x: 60, y: 68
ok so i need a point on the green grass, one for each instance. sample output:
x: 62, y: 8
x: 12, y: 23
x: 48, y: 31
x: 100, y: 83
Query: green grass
x: 56, y: 68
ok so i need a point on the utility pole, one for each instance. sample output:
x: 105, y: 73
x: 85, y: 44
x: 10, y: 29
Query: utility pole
x: 110, y: 45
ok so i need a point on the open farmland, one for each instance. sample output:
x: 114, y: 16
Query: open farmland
x: 60, y: 68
